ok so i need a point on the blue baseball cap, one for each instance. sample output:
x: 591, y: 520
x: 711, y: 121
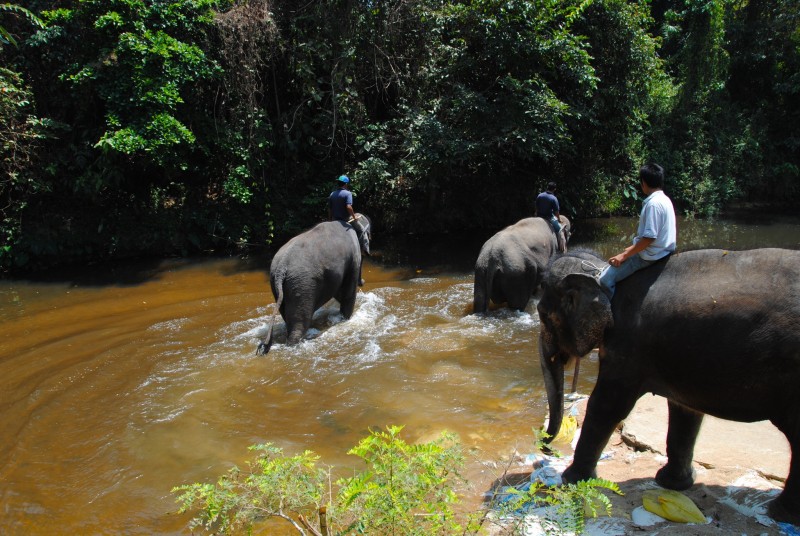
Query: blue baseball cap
x: 343, y: 178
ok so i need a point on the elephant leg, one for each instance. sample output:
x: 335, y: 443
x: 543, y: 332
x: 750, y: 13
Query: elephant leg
x: 786, y: 507
x: 480, y: 297
x: 519, y: 301
x: 610, y: 403
x: 298, y: 320
x: 561, y: 241
x: 479, y: 304
x: 347, y: 295
x: 347, y: 306
x: 296, y: 330
x: 684, y: 425
x: 519, y: 292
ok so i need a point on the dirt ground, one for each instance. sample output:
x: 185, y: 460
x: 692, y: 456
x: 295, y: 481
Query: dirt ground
x: 731, y: 495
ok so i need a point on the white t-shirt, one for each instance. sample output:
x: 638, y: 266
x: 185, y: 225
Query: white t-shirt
x: 657, y: 220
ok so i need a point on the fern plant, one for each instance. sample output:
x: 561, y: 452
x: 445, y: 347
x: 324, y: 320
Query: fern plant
x: 565, y: 507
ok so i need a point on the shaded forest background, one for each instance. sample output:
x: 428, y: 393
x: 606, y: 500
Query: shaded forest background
x: 161, y: 127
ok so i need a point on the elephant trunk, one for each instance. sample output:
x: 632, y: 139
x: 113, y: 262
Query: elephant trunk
x: 553, y: 373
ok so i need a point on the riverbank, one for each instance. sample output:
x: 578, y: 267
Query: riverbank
x: 740, y: 468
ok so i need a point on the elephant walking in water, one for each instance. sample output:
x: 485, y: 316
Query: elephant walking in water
x: 713, y: 331
x: 511, y: 263
x: 313, y: 267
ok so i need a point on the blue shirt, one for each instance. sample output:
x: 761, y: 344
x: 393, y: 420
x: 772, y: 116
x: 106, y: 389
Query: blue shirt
x: 546, y: 205
x: 338, y: 201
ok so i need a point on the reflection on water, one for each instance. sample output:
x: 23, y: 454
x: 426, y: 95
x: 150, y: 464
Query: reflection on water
x: 608, y: 236
x: 117, y: 385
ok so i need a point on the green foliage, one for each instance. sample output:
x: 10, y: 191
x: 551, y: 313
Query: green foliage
x: 21, y: 136
x: 699, y: 177
x: 494, y: 96
x: 139, y: 60
x: 6, y: 38
x: 238, y: 114
x: 276, y: 486
x: 406, y: 489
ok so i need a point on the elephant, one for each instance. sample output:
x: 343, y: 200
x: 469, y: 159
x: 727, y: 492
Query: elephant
x: 713, y: 331
x: 313, y: 267
x: 511, y: 263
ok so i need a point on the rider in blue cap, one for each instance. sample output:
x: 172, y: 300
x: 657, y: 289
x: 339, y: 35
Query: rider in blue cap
x: 340, y: 202
x: 340, y: 208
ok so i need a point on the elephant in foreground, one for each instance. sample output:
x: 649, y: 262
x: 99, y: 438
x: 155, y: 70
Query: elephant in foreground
x: 313, y: 267
x: 511, y: 263
x: 713, y: 331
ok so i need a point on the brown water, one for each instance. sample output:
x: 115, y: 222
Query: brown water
x: 117, y: 384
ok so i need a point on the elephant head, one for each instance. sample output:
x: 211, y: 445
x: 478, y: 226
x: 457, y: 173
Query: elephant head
x: 363, y: 227
x: 566, y: 225
x: 574, y: 313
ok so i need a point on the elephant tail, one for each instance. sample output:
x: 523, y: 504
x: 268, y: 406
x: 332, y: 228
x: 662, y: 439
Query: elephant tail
x: 266, y: 342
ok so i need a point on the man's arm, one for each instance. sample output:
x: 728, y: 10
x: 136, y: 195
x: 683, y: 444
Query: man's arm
x: 630, y: 251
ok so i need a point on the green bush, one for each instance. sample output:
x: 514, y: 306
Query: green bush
x: 405, y: 489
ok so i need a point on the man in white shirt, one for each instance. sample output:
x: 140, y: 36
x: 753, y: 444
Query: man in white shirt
x: 655, y: 238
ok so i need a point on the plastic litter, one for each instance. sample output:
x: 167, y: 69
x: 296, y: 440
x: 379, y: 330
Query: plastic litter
x: 643, y: 518
x: 567, y: 431
x: 569, y: 425
x: 672, y: 505
x: 789, y: 529
x: 549, y: 475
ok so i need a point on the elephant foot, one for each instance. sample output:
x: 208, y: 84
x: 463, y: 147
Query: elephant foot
x: 678, y: 480
x: 572, y: 474
x: 784, y: 513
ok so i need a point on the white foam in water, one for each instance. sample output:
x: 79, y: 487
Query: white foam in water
x: 173, y: 326
x: 395, y: 313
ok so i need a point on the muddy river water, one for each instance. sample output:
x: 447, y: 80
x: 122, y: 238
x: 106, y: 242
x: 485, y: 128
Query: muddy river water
x: 118, y: 383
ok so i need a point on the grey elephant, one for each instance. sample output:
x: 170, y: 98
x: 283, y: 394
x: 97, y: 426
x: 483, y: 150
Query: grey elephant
x: 511, y: 263
x: 313, y: 267
x: 715, y: 332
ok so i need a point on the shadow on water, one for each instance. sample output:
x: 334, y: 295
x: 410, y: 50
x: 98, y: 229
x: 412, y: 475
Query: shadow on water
x: 431, y: 253
x: 133, y: 272
x: 453, y: 252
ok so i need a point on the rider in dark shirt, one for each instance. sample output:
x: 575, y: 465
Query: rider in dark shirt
x: 547, y: 207
x: 340, y: 202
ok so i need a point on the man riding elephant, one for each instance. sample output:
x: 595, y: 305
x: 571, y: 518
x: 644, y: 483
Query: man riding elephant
x: 340, y: 208
x: 313, y: 267
x: 547, y: 207
x: 713, y: 331
x: 511, y: 263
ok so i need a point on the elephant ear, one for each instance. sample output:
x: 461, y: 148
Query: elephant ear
x: 363, y: 226
x: 587, y: 310
x: 566, y: 225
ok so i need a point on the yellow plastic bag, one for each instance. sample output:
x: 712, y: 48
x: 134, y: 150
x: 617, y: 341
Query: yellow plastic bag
x: 567, y: 431
x: 672, y: 505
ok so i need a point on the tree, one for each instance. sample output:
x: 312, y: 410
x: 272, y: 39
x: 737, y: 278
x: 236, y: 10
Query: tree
x: 21, y: 133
